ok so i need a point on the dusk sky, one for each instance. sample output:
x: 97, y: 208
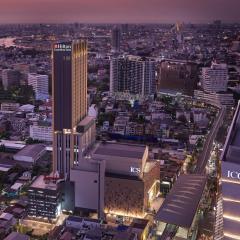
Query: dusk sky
x: 94, y: 11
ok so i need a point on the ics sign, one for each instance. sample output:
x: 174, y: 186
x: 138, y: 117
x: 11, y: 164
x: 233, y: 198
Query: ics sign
x: 135, y: 170
x: 62, y: 47
x: 233, y: 174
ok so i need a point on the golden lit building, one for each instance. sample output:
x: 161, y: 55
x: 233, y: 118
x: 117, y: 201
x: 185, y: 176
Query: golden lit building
x: 73, y: 131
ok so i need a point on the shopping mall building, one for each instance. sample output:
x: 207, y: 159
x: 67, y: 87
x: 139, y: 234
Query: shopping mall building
x: 230, y: 181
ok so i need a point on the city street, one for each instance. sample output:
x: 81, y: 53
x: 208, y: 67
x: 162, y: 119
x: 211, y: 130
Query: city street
x: 202, y: 161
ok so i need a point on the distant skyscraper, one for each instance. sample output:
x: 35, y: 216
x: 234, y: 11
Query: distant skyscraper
x: 116, y: 39
x: 70, y: 105
x: 125, y: 28
x: 215, y: 78
x: 10, y: 78
x: 235, y: 46
x: 132, y: 74
x: 217, y: 24
x: 39, y: 84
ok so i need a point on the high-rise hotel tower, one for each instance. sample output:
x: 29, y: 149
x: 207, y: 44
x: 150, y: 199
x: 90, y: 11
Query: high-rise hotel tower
x: 72, y: 129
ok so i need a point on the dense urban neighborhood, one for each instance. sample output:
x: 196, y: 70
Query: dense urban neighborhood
x: 119, y: 131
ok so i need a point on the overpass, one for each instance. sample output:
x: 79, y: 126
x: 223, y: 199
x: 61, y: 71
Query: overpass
x: 203, y: 159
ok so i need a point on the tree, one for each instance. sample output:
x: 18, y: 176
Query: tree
x: 44, y: 237
x: 2, y: 148
x: 36, y: 170
x: 199, y: 143
x: 106, y: 117
x: 3, y: 177
x: 32, y: 141
x: 17, y: 168
x: 23, y: 94
x: 4, y: 135
x: 182, y: 136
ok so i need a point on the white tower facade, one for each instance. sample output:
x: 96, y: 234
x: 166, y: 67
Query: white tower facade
x: 39, y: 84
x: 215, y: 78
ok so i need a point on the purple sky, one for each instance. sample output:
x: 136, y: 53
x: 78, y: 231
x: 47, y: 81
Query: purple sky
x: 25, y: 11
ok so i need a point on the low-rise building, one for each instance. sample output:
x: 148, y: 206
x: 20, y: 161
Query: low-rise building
x: 7, y: 221
x: 216, y: 99
x: 186, y: 114
x: 27, y: 108
x: 42, y: 131
x: 93, y: 111
x: 30, y: 153
x: 14, y: 190
x: 199, y: 115
x: 9, y: 106
x: 120, y: 124
x: 17, y: 236
x: 18, y: 124
x: 44, y: 198
x: 91, y: 229
x: 134, y: 129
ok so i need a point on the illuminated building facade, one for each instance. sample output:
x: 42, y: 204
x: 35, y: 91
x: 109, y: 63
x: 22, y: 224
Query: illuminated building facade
x: 179, y: 215
x: 44, y: 199
x: 74, y: 132
x: 131, y: 179
x: 230, y: 181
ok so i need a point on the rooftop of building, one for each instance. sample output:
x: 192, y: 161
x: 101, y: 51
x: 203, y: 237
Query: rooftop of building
x: 87, y: 120
x: 68, y: 44
x: 135, y: 58
x: 17, y: 236
x: 81, y: 219
x: 120, y: 150
x: 108, y: 232
x: 66, y: 236
x: 27, y: 107
x: 37, y: 74
x: 31, y: 150
x: 40, y: 183
x: 181, y: 204
x: 85, y: 124
x: 16, y: 186
x: 139, y: 223
x: 6, y: 216
x: 45, y: 123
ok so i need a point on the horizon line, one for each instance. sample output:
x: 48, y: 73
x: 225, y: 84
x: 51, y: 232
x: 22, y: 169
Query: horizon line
x: 121, y: 22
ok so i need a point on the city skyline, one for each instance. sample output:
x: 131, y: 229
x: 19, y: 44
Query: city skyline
x: 127, y: 129
x: 106, y: 11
